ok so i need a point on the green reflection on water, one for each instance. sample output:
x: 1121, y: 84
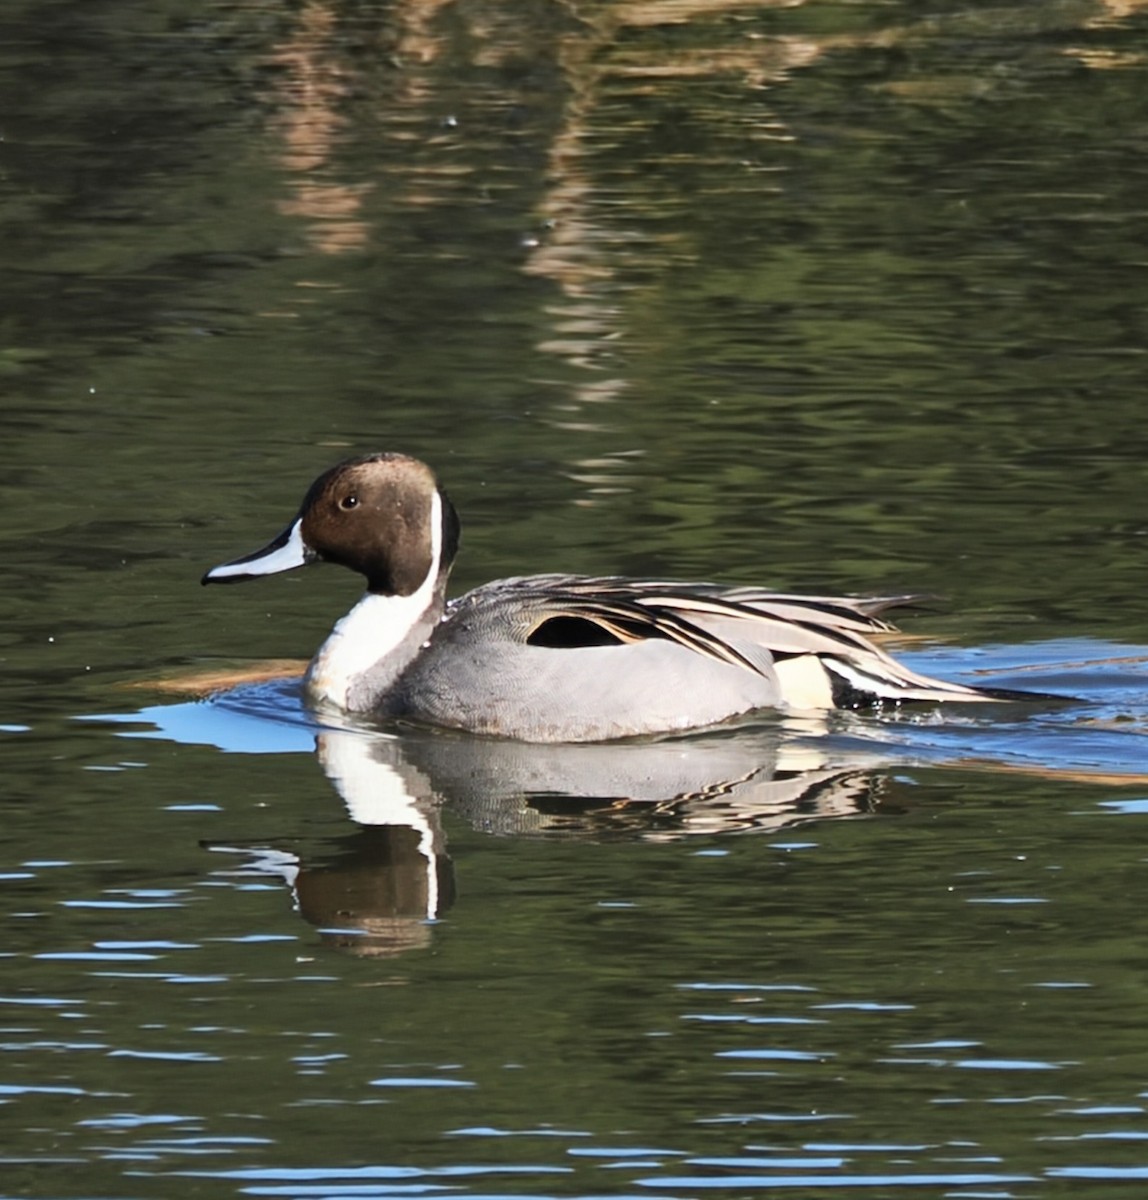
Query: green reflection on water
x: 832, y: 297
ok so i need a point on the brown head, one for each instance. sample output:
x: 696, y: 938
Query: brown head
x: 382, y: 515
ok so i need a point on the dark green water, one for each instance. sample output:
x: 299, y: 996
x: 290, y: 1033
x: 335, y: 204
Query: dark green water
x: 834, y: 297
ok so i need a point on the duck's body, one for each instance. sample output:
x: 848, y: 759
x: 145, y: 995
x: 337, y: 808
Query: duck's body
x: 560, y: 658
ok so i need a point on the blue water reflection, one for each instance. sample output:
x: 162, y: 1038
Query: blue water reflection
x: 259, y: 719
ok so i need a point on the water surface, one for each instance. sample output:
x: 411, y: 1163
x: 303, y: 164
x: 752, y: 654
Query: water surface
x: 834, y: 297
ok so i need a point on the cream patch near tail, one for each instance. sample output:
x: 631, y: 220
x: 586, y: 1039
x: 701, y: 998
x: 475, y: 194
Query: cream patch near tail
x: 803, y: 682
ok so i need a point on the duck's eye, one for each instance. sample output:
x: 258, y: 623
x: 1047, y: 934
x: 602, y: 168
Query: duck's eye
x: 349, y: 502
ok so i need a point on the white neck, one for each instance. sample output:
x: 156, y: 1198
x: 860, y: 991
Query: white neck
x: 376, y: 786
x: 372, y: 644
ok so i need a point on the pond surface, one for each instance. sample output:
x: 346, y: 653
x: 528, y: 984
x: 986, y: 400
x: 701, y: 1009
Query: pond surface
x: 835, y: 297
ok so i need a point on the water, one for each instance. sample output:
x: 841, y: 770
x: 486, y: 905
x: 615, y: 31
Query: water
x: 832, y: 297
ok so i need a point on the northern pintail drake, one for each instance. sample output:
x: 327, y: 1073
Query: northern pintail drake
x: 560, y: 658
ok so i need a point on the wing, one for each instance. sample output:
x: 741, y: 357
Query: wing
x: 818, y: 649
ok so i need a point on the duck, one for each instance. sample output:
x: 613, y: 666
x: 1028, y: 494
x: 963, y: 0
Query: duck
x: 562, y: 658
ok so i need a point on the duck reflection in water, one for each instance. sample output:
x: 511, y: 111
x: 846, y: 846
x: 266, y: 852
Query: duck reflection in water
x: 382, y: 888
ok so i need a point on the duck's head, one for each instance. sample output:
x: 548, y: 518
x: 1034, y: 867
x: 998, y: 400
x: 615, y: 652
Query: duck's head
x: 383, y: 515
